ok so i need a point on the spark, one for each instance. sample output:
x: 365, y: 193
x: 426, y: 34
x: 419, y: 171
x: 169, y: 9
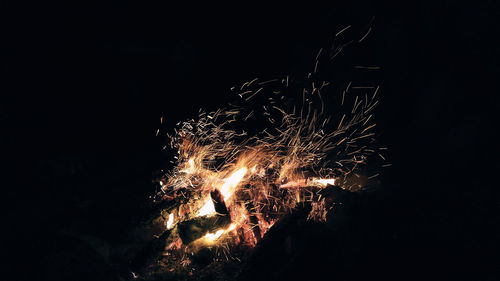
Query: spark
x: 344, y: 29
x: 366, y: 34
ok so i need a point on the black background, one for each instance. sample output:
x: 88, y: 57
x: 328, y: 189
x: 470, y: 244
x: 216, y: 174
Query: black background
x: 84, y: 87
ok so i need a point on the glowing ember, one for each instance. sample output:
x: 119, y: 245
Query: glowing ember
x: 212, y: 237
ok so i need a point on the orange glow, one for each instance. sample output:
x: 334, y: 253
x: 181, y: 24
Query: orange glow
x: 191, y: 167
x: 227, y: 189
x: 212, y: 237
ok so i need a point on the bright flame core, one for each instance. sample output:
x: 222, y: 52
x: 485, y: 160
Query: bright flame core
x: 212, y: 237
x: 207, y: 209
x: 230, y: 183
x: 170, y: 221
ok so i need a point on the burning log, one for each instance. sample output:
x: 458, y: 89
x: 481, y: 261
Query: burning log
x: 188, y: 230
x: 162, y: 210
x: 195, y: 228
x: 218, y: 200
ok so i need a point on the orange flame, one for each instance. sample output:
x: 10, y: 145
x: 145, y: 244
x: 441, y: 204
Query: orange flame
x: 230, y: 183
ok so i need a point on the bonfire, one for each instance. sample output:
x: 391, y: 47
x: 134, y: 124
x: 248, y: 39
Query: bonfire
x: 281, y: 145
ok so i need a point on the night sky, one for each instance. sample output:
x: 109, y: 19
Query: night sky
x: 84, y: 87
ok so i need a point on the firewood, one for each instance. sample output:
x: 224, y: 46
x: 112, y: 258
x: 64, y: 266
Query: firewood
x: 196, y: 228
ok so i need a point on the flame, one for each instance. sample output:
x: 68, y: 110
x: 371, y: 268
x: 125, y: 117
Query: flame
x: 207, y: 209
x: 317, y: 182
x: 325, y: 182
x: 170, y: 221
x: 227, y: 189
x: 231, y: 182
x: 212, y: 237
x: 191, y: 167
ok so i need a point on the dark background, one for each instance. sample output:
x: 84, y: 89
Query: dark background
x: 84, y: 87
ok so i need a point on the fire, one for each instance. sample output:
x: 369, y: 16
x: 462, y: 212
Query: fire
x: 326, y: 182
x: 212, y: 237
x: 226, y: 189
x: 170, y: 221
x: 231, y: 182
x: 318, y: 182
x: 207, y: 209
x: 250, y: 170
x: 190, y: 167
x: 243, y: 178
